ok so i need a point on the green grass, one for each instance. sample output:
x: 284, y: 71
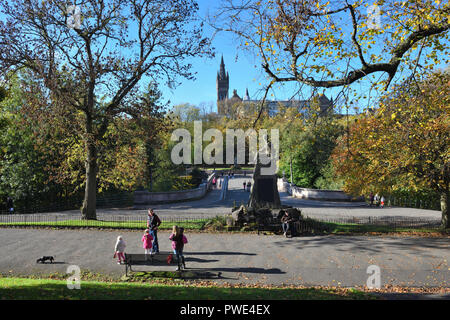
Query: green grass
x: 38, y: 289
x: 219, y: 224
x: 190, y: 225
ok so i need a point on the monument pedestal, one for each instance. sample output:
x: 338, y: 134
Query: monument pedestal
x: 264, y: 192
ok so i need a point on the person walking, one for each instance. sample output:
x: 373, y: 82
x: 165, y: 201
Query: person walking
x: 382, y: 202
x: 377, y: 199
x: 245, y: 183
x: 119, y: 250
x: 147, y: 240
x: 153, y: 222
x: 178, y: 241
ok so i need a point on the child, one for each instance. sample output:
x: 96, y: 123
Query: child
x: 382, y: 202
x: 119, y: 250
x: 178, y: 242
x: 147, y: 240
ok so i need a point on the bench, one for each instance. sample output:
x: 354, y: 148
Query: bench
x: 140, y: 259
x: 273, y: 227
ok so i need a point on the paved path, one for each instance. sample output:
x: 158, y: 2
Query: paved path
x: 243, y: 258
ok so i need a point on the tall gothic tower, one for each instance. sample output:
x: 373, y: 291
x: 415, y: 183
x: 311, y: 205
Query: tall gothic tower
x: 223, y: 82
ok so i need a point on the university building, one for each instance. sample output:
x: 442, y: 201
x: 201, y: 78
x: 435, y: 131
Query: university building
x: 225, y: 104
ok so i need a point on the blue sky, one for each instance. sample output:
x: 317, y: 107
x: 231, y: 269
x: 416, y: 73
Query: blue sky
x: 244, y: 71
x: 241, y: 68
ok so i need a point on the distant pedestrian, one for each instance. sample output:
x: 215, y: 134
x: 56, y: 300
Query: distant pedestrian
x: 10, y: 205
x: 382, y: 202
x: 372, y: 197
x: 119, y: 249
x: 377, y: 200
x: 245, y: 183
x: 153, y: 222
x: 147, y: 240
x: 178, y: 241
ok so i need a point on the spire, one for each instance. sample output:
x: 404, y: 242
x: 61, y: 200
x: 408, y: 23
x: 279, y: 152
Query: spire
x: 222, y: 82
x: 222, y: 72
x: 247, y: 96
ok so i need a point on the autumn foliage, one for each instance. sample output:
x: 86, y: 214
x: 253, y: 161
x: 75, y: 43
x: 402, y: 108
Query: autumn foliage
x: 404, y: 143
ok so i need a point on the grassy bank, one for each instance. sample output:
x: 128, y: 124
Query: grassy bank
x: 38, y: 289
x: 218, y: 224
x: 191, y: 225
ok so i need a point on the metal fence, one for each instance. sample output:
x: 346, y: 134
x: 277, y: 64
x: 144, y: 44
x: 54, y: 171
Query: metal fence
x: 369, y: 223
x: 111, y: 200
x: 321, y: 225
x: 308, y: 224
x: 414, y: 202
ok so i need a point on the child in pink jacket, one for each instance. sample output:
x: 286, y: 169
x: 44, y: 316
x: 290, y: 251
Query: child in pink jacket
x: 147, y: 240
x: 178, y: 242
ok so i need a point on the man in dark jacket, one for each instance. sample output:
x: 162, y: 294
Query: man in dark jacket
x: 153, y: 223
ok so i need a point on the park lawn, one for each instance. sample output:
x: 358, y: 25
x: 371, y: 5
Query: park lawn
x: 190, y: 225
x: 202, y: 224
x: 48, y: 289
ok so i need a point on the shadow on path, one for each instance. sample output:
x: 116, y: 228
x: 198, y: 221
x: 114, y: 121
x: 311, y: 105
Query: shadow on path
x: 367, y: 244
x: 224, y: 253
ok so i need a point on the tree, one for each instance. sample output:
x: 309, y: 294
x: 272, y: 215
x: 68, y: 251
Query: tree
x: 186, y: 112
x: 92, y: 57
x: 405, y: 143
x: 311, y: 42
x: 26, y: 161
x: 311, y: 155
x: 334, y: 44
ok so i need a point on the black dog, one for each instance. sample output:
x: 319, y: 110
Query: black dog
x: 45, y: 258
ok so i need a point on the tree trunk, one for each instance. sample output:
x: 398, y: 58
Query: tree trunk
x: 88, y: 211
x: 290, y: 167
x: 264, y: 192
x: 444, y: 208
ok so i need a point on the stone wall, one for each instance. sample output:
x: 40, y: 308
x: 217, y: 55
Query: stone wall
x: 144, y: 197
x: 315, y: 194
